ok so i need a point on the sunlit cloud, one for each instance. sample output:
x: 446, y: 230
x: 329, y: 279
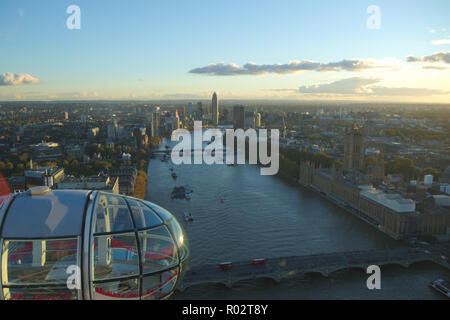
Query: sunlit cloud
x: 11, y: 79
x: 435, y: 61
x: 440, y: 42
x: 232, y: 69
x: 366, y: 87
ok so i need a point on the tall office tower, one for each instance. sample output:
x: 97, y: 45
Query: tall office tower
x: 354, y: 148
x: 249, y: 121
x: 238, y: 117
x: 113, y: 129
x: 155, y: 122
x: 257, y: 120
x: 199, y: 110
x: 175, y: 121
x: 215, y: 109
x: 189, y: 109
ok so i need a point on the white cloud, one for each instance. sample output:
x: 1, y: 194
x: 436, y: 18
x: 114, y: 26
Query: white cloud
x: 344, y: 86
x: 365, y: 87
x: 440, y: 42
x: 10, y: 79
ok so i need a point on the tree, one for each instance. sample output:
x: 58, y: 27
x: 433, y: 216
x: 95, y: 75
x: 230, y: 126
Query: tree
x: 371, y: 161
x: 338, y: 164
x: 404, y: 166
x: 9, y: 166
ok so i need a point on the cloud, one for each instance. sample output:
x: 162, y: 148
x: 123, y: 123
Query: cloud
x: 344, y: 86
x: 10, y: 79
x: 436, y: 61
x: 434, y: 58
x: 232, y: 69
x: 365, y: 87
x: 436, y: 67
x: 406, y: 92
x: 440, y: 42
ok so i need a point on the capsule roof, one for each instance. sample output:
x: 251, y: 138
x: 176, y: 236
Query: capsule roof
x: 45, y: 213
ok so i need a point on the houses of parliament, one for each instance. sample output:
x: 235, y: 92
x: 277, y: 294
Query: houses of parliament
x: 363, y: 191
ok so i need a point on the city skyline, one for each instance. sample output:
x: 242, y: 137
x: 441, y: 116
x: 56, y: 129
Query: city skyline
x: 278, y: 50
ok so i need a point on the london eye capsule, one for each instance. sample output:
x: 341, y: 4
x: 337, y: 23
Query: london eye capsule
x: 79, y: 244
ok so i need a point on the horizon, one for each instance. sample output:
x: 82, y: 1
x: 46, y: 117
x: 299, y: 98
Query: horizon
x: 370, y: 51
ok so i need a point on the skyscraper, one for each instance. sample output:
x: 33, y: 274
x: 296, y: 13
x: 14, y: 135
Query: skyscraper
x: 199, y: 110
x: 155, y: 122
x: 215, y: 109
x: 238, y: 117
x: 257, y: 120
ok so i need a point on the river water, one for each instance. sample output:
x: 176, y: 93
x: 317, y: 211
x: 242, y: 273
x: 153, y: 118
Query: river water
x: 269, y: 216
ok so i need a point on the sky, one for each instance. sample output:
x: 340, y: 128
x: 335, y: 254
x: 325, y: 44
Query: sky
x: 284, y: 49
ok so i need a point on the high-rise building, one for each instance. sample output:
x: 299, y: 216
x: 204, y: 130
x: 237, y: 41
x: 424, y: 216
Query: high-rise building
x: 257, y: 120
x: 215, y: 109
x: 238, y: 117
x: 155, y: 121
x: 249, y: 121
x: 199, y: 110
x: 175, y: 121
x: 354, y: 148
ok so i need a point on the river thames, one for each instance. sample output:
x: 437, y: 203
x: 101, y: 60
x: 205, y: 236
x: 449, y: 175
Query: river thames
x: 241, y: 215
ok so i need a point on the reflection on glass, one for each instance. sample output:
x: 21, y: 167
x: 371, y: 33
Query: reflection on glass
x: 142, y: 215
x: 163, y: 213
x: 37, y: 261
x: 168, y: 280
x: 112, y: 215
x: 158, y: 250
x: 115, y: 256
x: 160, y: 285
x: 181, y: 240
x: 120, y: 289
x: 39, y: 293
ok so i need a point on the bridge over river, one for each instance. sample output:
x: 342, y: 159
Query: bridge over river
x: 325, y: 264
x: 169, y: 151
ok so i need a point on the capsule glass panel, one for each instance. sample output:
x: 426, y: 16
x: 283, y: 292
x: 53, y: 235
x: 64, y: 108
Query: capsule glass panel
x: 115, y: 256
x: 158, y: 286
x: 158, y: 250
x: 40, y: 293
x: 117, y: 289
x: 163, y: 213
x: 142, y: 215
x: 112, y: 214
x: 180, y: 239
x: 28, y: 262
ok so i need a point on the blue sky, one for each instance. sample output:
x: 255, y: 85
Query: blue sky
x: 146, y: 49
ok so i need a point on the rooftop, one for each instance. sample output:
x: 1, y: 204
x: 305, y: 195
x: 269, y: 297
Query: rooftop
x: 392, y: 201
